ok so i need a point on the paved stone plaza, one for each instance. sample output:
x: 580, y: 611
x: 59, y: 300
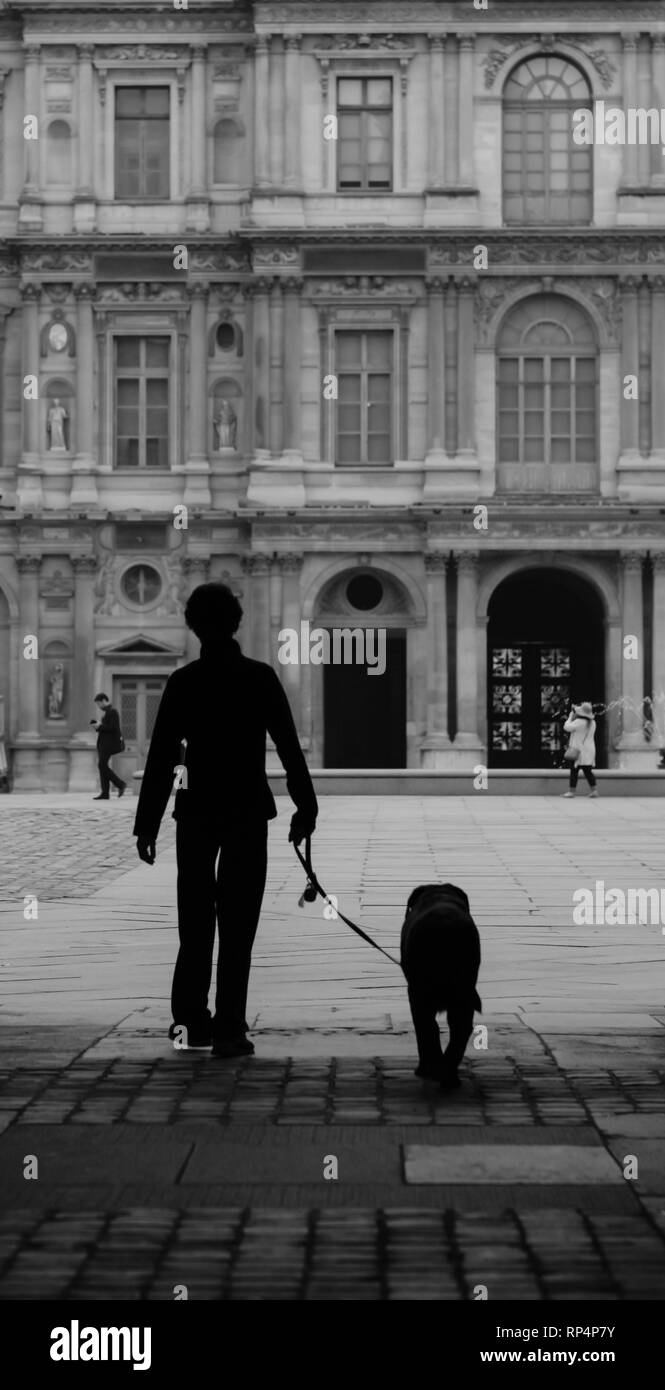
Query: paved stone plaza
x: 159, y: 1168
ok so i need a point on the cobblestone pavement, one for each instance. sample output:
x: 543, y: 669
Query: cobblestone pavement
x: 163, y: 1173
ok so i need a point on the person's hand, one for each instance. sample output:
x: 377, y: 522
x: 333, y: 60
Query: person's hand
x: 147, y: 849
x: 301, y: 828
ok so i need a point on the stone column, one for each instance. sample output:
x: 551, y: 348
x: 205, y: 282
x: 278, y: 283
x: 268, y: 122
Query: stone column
x: 261, y: 116
x: 436, y: 383
x: 466, y: 442
x: 29, y: 482
x: 467, y: 44
x: 644, y: 366
x: 277, y: 104
x: 294, y: 114
x: 467, y: 652
x: 630, y: 365
x: 196, y: 570
x: 658, y: 100
x: 291, y: 566
x: 86, y: 125
x: 197, y: 156
x: 197, y: 467
x: 258, y: 568
x: 450, y: 319
x: 630, y: 166
x: 82, y: 751
x: 292, y: 367
x: 29, y: 721
x: 30, y: 198
x: 436, y: 177
x: 644, y: 87
x: 451, y: 129
x: 84, y: 486
x: 657, y: 359
x: 261, y: 361
x: 632, y: 625
x: 437, y: 742
x: 276, y: 369
x: 658, y: 646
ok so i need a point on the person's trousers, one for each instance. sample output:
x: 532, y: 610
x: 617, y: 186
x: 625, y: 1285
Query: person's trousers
x: 106, y: 773
x: 221, y: 881
x: 575, y: 772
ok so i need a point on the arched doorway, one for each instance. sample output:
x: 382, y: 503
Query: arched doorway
x: 364, y: 715
x: 545, y: 649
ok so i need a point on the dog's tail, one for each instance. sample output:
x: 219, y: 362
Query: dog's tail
x: 477, y: 1001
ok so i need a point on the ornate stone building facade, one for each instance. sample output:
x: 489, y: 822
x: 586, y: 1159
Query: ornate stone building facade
x: 329, y: 303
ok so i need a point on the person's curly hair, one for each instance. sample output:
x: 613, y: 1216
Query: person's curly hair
x: 212, y: 610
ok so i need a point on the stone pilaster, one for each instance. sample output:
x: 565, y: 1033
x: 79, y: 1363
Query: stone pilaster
x: 82, y: 750
x: 632, y: 678
x: 644, y: 366
x: 276, y: 432
x: 30, y: 201
x: 657, y: 357
x: 197, y: 196
x: 436, y: 746
x: 630, y: 165
x: 435, y: 368
x: 261, y: 362
x: 644, y: 87
x: 29, y: 721
x: 292, y: 370
x: 466, y: 442
x: 257, y: 567
x: 451, y: 105
x: 467, y: 736
x: 29, y: 482
x: 630, y: 366
x: 277, y: 100
x: 658, y: 100
x: 435, y: 162
x: 196, y: 571
x: 658, y: 646
x: 467, y: 44
x: 84, y: 198
x: 294, y: 115
x: 261, y: 112
x: 451, y: 350
x: 291, y: 566
x: 197, y: 467
x: 84, y: 485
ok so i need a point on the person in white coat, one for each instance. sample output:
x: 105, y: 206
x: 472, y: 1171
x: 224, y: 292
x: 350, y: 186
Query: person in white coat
x: 581, y: 726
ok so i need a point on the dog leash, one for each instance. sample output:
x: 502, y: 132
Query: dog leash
x: 314, y: 889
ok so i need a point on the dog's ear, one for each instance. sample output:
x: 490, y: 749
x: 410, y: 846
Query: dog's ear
x: 452, y: 891
x: 416, y: 895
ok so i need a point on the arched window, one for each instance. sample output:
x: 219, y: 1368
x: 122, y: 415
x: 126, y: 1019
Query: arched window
x: 225, y: 152
x: 58, y: 153
x: 547, y: 178
x: 547, y: 375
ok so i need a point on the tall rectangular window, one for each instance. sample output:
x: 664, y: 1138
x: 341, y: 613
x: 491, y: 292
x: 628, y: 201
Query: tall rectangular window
x: 364, y: 132
x: 142, y: 402
x: 142, y: 142
x: 364, y: 406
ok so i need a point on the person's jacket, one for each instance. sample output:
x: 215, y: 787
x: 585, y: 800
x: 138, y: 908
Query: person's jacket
x: 221, y: 706
x: 582, y: 739
x: 108, y: 733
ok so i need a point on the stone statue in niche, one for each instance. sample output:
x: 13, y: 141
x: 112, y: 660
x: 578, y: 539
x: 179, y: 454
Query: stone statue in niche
x: 226, y: 424
x: 55, y: 427
x: 56, y: 692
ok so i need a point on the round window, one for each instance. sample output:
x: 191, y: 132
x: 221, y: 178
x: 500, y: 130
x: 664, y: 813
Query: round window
x: 364, y: 592
x: 141, y: 584
x: 226, y: 337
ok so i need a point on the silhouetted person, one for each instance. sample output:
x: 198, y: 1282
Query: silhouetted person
x: 220, y: 707
x: 108, y: 743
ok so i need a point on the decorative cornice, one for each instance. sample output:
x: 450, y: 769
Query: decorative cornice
x: 84, y: 564
x: 28, y: 564
x: 122, y: 19
x: 435, y: 562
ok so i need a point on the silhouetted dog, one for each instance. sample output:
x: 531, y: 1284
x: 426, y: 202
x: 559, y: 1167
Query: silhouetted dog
x: 440, y: 954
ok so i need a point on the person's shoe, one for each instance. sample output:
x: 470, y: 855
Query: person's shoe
x: 593, y: 793
x: 122, y: 789
x: 569, y: 793
x: 193, y: 1037
x: 233, y: 1047
x: 441, y: 1072
x: 101, y: 798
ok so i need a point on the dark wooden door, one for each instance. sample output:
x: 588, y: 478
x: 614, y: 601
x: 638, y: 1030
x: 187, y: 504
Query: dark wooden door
x: 365, y: 716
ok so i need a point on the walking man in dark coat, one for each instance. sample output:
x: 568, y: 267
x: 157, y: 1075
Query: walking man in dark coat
x: 108, y: 743
x: 210, y: 741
